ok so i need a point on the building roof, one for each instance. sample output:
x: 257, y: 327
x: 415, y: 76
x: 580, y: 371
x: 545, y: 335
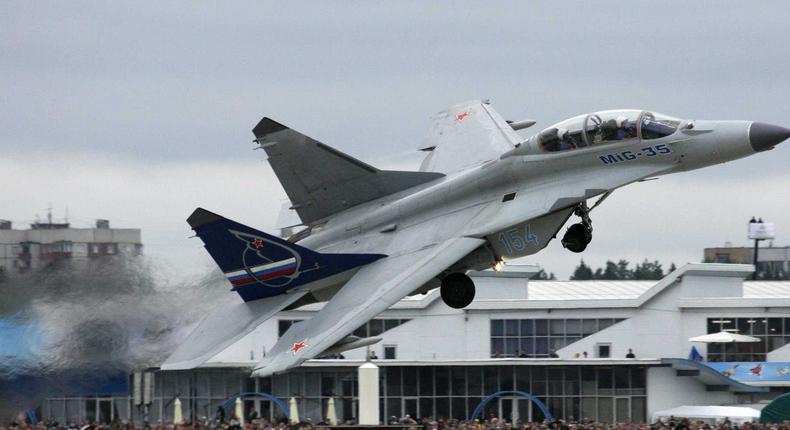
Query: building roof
x: 587, y: 290
x: 522, y: 294
x: 622, y: 290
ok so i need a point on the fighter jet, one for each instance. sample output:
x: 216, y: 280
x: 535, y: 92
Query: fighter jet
x: 482, y: 196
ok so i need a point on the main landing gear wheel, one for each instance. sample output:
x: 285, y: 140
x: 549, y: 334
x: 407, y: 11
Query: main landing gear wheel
x: 457, y: 290
x: 579, y: 235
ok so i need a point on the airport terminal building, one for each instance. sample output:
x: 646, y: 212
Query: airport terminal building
x: 563, y: 342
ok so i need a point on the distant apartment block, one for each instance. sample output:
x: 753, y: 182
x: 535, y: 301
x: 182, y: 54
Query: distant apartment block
x: 45, y: 243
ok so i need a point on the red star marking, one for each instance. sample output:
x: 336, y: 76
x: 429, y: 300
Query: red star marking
x: 257, y: 243
x: 298, y: 346
x: 461, y: 116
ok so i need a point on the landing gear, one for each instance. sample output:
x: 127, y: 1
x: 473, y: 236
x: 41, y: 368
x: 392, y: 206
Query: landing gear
x: 579, y: 235
x: 457, y: 290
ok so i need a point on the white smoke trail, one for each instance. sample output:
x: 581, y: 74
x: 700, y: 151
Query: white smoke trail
x: 84, y: 323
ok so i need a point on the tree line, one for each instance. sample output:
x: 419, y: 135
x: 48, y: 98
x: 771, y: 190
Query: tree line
x: 621, y: 271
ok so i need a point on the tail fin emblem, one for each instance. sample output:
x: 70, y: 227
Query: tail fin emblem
x: 273, y: 273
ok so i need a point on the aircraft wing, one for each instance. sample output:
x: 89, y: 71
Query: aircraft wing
x: 465, y: 135
x: 372, y: 290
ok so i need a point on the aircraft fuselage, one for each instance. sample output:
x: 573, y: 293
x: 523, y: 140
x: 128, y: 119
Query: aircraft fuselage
x: 512, y: 201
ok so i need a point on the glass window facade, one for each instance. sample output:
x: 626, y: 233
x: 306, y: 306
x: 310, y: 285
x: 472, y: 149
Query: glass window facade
x: 373, y: 327
x: 596, y: 392
x: 377, y: 326
x: 537, y: 338
x: 772, y: 332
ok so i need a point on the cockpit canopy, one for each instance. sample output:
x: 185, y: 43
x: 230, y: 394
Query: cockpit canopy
x: 605, y: 127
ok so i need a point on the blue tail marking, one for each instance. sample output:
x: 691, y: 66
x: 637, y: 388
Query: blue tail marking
x: 260, y: 265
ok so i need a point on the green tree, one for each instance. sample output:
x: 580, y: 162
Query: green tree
x: 615, y: 271
x: 609, y: 272
x: 648, y: 271
x: 542, y: 276
x: 582, y: 272
x: 623, y: 272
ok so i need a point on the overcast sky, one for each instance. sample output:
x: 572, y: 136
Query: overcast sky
x: 139, y: 112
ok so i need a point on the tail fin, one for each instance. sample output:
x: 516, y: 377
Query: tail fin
x: 260, y: 265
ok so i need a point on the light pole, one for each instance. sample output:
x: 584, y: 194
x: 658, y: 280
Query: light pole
x: 756, y: 251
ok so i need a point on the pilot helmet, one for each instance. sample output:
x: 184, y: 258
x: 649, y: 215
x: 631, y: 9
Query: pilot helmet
x: 621, y: 121
x: 562, y: 133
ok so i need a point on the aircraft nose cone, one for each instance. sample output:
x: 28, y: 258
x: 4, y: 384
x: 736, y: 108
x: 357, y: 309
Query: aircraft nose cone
x: 764, y: 136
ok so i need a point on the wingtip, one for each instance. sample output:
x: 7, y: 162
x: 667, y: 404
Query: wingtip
x: 201, y: 217
x: 273, y: 365
x: 267, y: 126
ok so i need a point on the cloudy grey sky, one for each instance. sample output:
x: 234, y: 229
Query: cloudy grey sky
x: 138, y: 112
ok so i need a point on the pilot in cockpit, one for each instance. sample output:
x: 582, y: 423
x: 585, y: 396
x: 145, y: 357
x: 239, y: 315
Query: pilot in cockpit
x: 565, y: 142
x: 622, y: 124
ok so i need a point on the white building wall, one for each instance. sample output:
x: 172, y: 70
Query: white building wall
x: 781, y: 354
x: 666, y: 390
x: 711, y: 286
x: 658, y: 328
x: 433, y: 336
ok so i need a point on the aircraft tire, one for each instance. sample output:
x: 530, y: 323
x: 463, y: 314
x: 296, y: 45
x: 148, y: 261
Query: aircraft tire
x: 458, y: 290
x: 577, y: 237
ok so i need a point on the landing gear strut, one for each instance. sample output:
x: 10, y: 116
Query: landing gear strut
x: 579, y: 235
x: 457, y: 290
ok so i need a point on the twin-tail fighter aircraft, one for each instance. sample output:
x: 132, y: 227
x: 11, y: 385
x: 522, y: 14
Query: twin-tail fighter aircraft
x: 484, y: 195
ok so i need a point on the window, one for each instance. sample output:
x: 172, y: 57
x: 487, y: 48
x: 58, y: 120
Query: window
x: 610, y: 126
x: 772, y: 332
x: 530, y: 338
x: 284, y: 325
x: 593, y: 129
x: 605, y: 127
x: 722, y: 258
x: 603, y: 350
x: 389, y: 352
x: 563, y: 136
x: 656, y: 126
x: 375, y: 327
x: 378, y: 326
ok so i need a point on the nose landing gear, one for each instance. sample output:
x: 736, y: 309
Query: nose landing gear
x: 579, y: 235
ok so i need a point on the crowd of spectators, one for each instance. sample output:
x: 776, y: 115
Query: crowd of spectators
x: 407, y: 422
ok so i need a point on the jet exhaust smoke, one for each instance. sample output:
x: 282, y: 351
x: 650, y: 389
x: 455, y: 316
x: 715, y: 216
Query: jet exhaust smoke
x: 64, y: 328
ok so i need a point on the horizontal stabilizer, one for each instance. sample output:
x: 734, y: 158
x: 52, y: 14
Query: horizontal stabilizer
x: 223, y: 327
x: 321, y: 181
